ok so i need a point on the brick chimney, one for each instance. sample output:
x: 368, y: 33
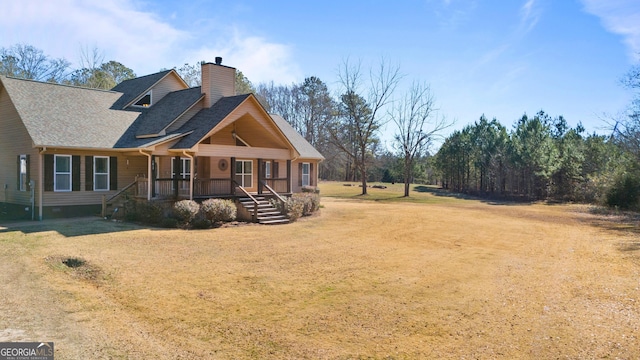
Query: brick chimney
x: 217, y: 81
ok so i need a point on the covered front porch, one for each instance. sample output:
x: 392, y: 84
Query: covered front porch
x: 213, y: 176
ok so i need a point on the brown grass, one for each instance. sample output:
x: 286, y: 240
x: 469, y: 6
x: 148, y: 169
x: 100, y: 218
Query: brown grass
x: 436, y: 277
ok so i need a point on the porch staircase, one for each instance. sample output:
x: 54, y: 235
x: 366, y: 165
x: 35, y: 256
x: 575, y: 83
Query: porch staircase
x: 267, y: 214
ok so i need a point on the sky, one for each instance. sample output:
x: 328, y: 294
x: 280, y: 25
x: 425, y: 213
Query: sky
x: 498, y: 58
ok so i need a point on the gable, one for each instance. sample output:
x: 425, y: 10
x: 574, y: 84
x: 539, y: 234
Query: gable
x: 154, y: 86
x: 247, y: 130
x: 242, y: 113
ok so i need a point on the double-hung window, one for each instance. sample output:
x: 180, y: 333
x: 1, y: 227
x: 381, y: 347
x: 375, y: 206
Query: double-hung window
x: 23, y: 184
x: 267, y: 169
x: 62, y: 172
x: 100, y: 173
x: 244, y: 172
x: 306, y: 173
x: 183, y: 173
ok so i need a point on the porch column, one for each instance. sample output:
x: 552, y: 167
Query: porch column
x: 192, y: 175
x: 288, y: 176
x: 232, y: 170
x: 152, y: 178
x: 260, y: 176
x: 177, y: 169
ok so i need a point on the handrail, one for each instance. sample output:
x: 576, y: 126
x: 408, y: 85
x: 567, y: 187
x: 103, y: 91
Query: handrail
x: 273, y: 192
x: 123, y: 190
x: 245, y: 192
x: 254, y: 216
x: 105, y: 200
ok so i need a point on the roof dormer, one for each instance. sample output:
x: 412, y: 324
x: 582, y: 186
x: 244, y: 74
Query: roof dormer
x: 145, y: 100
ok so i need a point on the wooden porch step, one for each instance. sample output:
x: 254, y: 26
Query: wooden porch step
x: 274, y: 222
x: 266, y: 213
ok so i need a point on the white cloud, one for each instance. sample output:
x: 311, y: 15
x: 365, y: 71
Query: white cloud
x: 140, y: 40
x: 62, y: 28
x: 529, y: 16
x: 620, y: 17
x: 257, y: 58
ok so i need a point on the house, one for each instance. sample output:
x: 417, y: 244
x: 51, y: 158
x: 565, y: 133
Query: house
x: 64, y: 149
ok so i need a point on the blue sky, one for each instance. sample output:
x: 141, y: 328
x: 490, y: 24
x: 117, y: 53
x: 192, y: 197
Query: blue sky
x: 498, y: 58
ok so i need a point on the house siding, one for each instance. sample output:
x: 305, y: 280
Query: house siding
x: 295, y: 174
x: 15, y: 141
x: 217, y: 81
x: 163, y: 87
x: 126, y: 174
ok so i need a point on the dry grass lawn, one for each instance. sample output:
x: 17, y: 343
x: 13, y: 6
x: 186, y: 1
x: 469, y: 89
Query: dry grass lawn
x: 433, y: 278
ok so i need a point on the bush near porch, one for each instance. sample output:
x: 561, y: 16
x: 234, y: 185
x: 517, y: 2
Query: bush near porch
x: 186, y: 214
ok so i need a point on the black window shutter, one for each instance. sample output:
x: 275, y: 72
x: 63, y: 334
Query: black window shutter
x: 310, y: 174
x: 48, y: 172
x: 113, y: 173
x: 300, y: 174
x: 28, y: 172
x: 75, y: 173
x: 88, y: 173
x: 18, y: 178
x: 274, y: 170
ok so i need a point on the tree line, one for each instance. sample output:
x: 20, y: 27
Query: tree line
x: 539, y: 157
x: 28, y: 62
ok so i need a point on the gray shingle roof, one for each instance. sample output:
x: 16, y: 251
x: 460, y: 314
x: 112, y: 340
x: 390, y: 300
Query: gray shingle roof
x: 306, y: 150
x: 156, y: 118
x: 60, y: 115
x: 67, y: 116
x: 207, y: 119
x: 135, y: 87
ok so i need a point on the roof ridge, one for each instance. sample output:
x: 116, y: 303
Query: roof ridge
x: 57, y: 84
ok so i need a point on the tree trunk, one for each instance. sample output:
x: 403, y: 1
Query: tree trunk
x: 407, y: 176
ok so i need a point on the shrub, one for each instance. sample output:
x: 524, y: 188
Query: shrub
x: 201, y: 223
x: 310, y: 201
x: 217, y: 210
x: 169, y: 223
x: 625, y: 192
x: 148, y: 212
x: 293, y: 207
x: 186, y: 210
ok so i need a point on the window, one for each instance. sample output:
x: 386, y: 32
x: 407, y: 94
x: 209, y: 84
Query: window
x: 101, y: 173
x: 23, y: 182
x: 185, y: 168
x: 145, y: 101
x: 244, y: 172
x: 306, y: 174
x: 183, y: 173
x: 62, y: 173
x: 267, y: 169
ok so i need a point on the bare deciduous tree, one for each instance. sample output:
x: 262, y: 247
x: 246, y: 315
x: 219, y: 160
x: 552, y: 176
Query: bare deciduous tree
x: 417, y: 124
x: 362, y: 112
x: 28, y: 62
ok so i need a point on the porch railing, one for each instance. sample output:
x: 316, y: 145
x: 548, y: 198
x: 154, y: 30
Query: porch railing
x: 279, y: 185
x: 201, y: 187
x: 212, y: 187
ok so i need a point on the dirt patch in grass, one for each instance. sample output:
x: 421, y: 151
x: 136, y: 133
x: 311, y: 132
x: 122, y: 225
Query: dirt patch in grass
x: 77, y: 267
x: 382, y: 280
